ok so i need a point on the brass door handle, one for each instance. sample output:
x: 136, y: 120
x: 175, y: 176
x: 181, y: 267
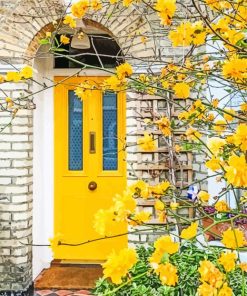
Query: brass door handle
x: 92, y: 148
x: 92, y: 185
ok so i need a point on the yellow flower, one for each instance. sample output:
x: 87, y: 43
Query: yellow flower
x: 162, y: 217
x: 79, y: 8
x: 215, y: 103
x: 243, y: 266
x: 203, y: 196
x: 164, y: 125
x: 206, y: 290
x: 69, y: 20
x: 64, y: 39
x: 221, y: 206
x: 162, y: 245
x: 26, y: 72
x: 228, y: 260
x: 218, y: 5
x: 127, y: 3
x: 103, y: 221
x: 159, y: 205
x: 236, y: 171
x: 235, y: 69
x: 190, y: 232
x: 48, y: 34
x: 166, y: 10
x: 147, y: 143
x: 168, y: 274
x: 233, y: 238
x: 140, y: 188
x: 210, y: 274
x: 220, y: 125
x: 240, y: 137
x: 174, y: 205
x: 182, y: 90
x: 124, y: 70
x: 243, y: 107
x: 140, y: 218
x: 213, y: 164
x: 118, y: 265
x: 96, y: 4
x: 215, y: 145
x: 113, y: 83
x: 160, y: 188
x: 227, y: 116
x: 124, y: 205
x: 177, y: 148
x: 1, y: 78
x: 225, y: 291
x: 193, y: 134
x: 13, y: 76
x: 188, y: 33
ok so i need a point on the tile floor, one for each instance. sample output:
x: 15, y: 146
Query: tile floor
x: 61, y: 293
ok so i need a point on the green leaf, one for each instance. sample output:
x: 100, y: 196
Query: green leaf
x: 44, y: 41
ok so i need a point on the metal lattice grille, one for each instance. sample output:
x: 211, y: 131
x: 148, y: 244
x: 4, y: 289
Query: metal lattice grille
x: 110, y: 142
x: 75, y: 132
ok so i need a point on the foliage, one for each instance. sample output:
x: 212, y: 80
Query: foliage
x: 187, y: 260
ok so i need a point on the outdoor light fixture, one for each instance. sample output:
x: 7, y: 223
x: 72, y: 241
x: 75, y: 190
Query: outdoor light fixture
x: 80, y: 41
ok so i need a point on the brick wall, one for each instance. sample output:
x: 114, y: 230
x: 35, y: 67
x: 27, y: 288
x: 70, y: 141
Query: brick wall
x: 15, y: 195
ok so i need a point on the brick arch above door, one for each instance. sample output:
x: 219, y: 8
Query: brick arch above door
x: 26, y: 22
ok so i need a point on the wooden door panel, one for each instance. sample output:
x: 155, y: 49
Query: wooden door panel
x: 75, y: 205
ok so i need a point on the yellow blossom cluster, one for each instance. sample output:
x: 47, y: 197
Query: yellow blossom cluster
x: 233, y: 238
x: 14, y: 76
x: 190, y: 232
x: 213, y: 281
x: 118, y: 82
x: 188, y: 34
x: 118, y: 265
x: 228, y: 261
x: 235, y: 68
x: 163, y: 245
x: 203, y: 196
x: 80, y: 8
x: 107, y: 220
x: 166, y: 10
x: 164, y: 125
x: 221, y: 206
x: 144, y: 190
x: 168, y: 274
x: 236, y: 170
x: 147, y: 143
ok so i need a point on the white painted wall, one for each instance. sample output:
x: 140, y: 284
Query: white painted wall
x: 43, y: 172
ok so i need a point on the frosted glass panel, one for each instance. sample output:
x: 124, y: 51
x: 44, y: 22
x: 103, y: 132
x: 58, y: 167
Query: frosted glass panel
x: 75, y: 132
x: 110, y: 142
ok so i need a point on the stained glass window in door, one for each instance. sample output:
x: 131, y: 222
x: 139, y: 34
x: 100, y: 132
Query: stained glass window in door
x: 75, y: 132
x: 110, y: 136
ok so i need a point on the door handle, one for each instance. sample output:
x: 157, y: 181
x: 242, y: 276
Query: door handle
x: 92, y: 136
x: 92, y: 185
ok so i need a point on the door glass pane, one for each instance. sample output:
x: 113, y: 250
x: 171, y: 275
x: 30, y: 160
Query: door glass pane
x: 110, y: 141
x: 75, y: 132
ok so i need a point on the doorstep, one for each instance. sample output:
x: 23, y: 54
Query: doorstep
x: 61, y: 292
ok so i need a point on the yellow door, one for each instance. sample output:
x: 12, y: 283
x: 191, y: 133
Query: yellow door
x: 89, y: 167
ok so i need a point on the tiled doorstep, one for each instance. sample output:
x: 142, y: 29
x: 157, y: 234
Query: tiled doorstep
x: 61, y: 293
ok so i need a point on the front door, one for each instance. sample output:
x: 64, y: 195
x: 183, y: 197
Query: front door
x: 89, y: 167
